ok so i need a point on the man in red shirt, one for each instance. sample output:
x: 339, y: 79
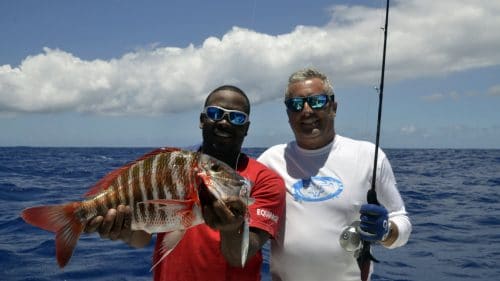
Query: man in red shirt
x: 212, y: 251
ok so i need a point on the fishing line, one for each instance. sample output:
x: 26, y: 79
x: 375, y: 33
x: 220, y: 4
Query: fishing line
x: 372, y: 196
x: 369, y: 109
x: 253, y: 15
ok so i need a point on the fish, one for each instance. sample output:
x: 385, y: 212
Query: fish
x: 163, y: 191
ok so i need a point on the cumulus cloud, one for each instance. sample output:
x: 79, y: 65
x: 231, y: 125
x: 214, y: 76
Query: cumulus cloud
x: 426, y: 38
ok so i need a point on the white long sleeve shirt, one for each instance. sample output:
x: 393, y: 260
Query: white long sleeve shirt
x: 325, y: 190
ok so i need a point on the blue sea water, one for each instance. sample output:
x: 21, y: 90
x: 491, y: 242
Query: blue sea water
x: 452, y: 197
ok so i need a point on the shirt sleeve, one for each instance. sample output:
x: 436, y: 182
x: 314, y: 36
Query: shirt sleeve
x: 269, y: 195
x: 389, y: 196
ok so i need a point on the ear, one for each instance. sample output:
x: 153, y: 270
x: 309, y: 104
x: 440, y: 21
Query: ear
x: 202, y: 119
x: 333, y: 113
x: 247, y: 126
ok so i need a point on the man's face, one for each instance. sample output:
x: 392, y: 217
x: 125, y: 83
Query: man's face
x: 222, y: 135
x: 313, y: 128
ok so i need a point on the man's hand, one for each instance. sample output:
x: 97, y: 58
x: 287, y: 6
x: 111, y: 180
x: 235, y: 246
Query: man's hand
x: 225, y: 216
x: 116, y: 224
x: 374, y: 225
x: 228, y: 218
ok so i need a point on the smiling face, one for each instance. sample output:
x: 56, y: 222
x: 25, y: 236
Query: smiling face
x: 221, y: 138
x: 312, y: 128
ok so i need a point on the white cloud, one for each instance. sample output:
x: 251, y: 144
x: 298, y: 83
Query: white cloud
x: 408, y: 130
x: 434, y: 97
x: 494, y: 91
x: 453, y: 95
x: 426, y: 38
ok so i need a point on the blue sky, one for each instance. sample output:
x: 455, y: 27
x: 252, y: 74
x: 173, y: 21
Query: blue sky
x: 136, y: 73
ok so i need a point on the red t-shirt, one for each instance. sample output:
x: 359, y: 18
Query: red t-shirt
x: 198, y: 255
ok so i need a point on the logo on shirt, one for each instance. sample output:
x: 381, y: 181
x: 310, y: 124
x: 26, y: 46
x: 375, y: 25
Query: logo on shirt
x: 267, y: 214
x: 317, y: 189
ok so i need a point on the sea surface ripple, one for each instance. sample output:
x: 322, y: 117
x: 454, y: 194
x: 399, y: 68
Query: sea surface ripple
x: 452, y: 196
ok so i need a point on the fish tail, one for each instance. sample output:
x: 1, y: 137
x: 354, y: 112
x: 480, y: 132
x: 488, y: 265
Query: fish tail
x: 62, y: 220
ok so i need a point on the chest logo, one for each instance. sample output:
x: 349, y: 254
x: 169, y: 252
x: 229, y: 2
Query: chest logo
x: 317, y: 189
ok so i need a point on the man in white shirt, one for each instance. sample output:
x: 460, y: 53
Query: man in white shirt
x: 327, y: 177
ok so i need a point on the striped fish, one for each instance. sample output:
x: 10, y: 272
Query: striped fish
x: 162, y: 190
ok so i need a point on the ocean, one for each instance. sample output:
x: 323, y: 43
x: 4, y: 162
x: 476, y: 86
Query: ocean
x: 452, y: 196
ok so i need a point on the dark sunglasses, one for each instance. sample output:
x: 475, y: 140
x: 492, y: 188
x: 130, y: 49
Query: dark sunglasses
x: 216, y: 113
x: 296, y: 104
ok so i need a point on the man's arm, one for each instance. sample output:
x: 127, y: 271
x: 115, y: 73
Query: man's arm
x: 389, y: 196
x: 116, y: 224
x: 228, y: 218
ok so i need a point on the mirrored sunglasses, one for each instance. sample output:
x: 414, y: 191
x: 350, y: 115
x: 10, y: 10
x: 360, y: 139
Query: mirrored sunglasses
x: 296, y: 104
x: 217, y: 113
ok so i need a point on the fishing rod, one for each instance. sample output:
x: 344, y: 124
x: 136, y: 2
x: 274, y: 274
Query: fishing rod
x: 350, y: 239
x: 372, y: 195
x: 365, y: 256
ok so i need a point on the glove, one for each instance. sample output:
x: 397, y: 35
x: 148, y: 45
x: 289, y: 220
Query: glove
x: 374, y: 225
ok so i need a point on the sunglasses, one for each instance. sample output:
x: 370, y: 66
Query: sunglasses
x: 296, y: 104
x: 216, y: 113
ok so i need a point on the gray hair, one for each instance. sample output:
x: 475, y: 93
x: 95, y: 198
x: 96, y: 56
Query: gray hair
x: 306, y: 74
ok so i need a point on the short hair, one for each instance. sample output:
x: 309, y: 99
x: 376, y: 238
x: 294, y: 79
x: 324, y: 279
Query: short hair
x: 232, y: 89
x: 306, y: 74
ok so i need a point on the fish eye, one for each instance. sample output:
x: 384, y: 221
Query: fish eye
x: 215, y: 167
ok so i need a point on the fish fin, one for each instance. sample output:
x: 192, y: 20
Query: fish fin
x: 179, y: 208
x: 106, y: 181
x: 157, y: 151
x: 170, y: 240
x: 61, y: 220
x: 245, y: 241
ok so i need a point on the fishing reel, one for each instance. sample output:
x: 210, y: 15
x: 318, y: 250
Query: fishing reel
x: 350, y: 240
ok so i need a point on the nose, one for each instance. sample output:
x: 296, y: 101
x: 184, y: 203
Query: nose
x: 307, y: 108
x: 225, y: 119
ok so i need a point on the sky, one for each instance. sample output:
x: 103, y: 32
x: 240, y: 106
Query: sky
x: 136, y: 73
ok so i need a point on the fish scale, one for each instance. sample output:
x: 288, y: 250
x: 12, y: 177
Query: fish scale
x: 142, y: 184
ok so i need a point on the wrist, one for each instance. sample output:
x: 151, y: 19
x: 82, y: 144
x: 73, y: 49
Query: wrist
x: 391, y: 236
x: 231, y: 230
x: 389, y: 231
x: 138, y: 239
